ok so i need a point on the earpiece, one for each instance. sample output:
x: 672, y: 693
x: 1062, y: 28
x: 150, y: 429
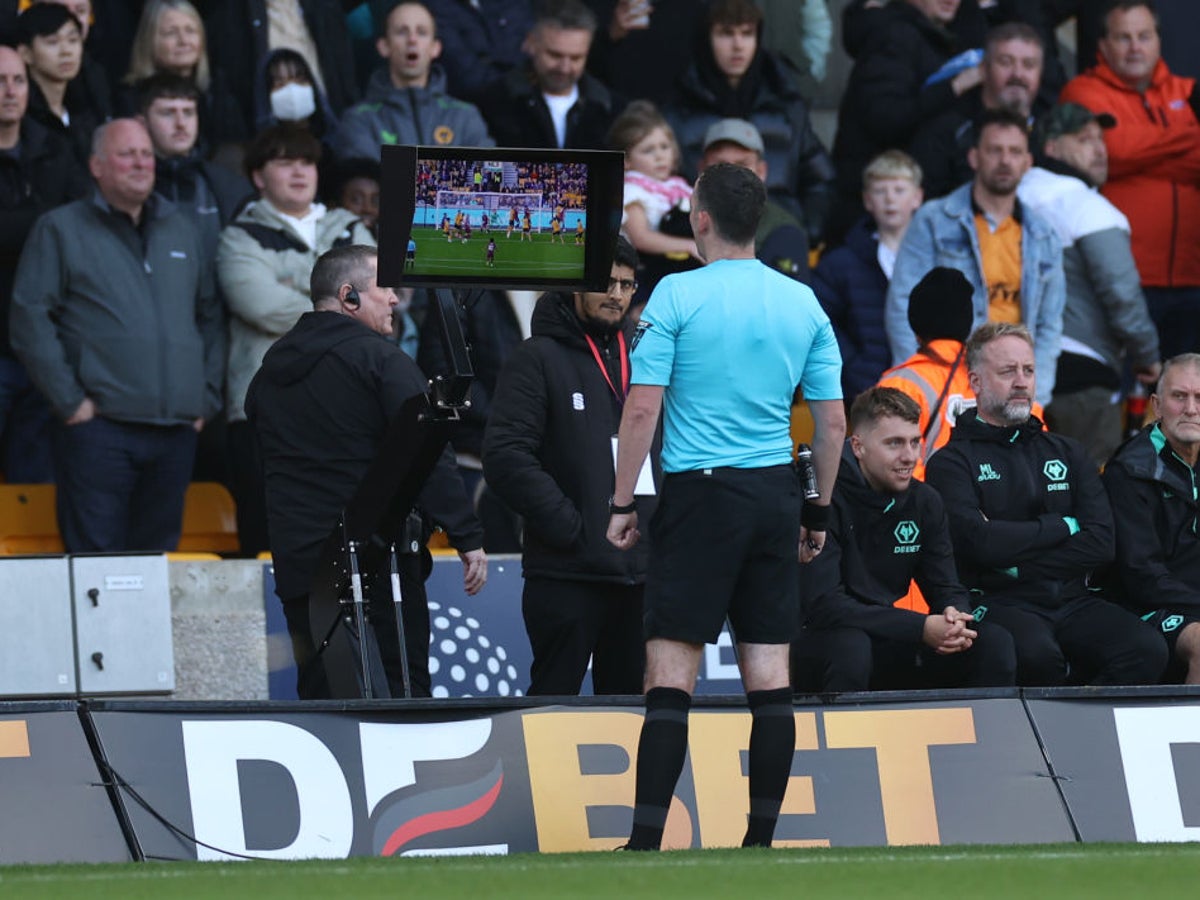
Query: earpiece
x: 351, y: 299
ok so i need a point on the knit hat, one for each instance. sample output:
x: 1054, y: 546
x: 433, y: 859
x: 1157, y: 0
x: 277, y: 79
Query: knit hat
x: 940, y: 306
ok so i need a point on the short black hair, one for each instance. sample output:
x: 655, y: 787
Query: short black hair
x: 341, y: 265
x: 287, y: 140
x: 43, y: 20
x: 1000, y: 118
x: 734, y: 197
x: 1011, y: 31
x: 165, y: 86
x: 733, y: 12
x: 564, y: 15
x: 346, y: 170
x: 625, y: 254
x: 877, y: 402
x: 1112, y: 6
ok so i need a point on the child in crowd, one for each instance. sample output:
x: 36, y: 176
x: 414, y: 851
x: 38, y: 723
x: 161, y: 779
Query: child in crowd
x: 851, y: 281
x: 657, y: 200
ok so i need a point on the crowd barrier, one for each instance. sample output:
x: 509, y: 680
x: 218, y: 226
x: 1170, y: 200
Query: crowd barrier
x: 109, y: 780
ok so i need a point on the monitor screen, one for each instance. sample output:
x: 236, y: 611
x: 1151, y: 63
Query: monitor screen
x: 499, y: 217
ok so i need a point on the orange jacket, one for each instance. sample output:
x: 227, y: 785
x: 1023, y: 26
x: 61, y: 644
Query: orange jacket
x: 923, y: 376
x: 1153, y: 167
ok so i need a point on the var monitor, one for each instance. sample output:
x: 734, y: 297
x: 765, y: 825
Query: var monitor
x: 499, y: 217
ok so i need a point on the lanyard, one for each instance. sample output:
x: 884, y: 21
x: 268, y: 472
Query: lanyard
x: 620, y: 395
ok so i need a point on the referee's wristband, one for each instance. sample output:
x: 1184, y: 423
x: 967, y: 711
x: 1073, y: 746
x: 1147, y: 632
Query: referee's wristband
x: 813, y: 517
x: 615, y: 510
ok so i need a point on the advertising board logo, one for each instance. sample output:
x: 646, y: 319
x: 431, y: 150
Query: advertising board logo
x: 473, y: 662
x: 324, y: 822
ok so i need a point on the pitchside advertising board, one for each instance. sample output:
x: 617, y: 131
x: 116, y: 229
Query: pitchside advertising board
x: 494, y: 777
x: 53, y: 807
x: 372, y: 782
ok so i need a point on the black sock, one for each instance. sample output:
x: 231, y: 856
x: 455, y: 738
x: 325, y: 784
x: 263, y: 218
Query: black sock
x: 661, y: 750
x: 772, y: 747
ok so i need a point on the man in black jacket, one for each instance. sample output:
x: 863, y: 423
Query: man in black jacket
x: 885, y: 530
x: 1152, y: 482
x: 552, y: 101
x: 548, y: 453
x: 1030, y: 523
x: 321, y: 405
x: 37, y: 173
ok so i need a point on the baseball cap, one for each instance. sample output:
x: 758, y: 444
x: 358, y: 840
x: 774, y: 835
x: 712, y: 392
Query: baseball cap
x: 1068, y: 118
x: 737, y: 131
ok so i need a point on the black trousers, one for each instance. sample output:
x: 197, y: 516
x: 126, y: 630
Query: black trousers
x: 249, y: 490
x: 570, y: 622
x: 306, y: 635
x: 1084, y: 641
x: 848, y: 659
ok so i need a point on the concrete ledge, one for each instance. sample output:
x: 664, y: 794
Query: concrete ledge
x: 218, y: 625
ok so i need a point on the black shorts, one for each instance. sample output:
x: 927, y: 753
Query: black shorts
x: 1170, y: 624
x: 725, y: 544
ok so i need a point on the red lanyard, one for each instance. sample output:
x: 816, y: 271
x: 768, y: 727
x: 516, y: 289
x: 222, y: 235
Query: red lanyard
x: 620, y: 395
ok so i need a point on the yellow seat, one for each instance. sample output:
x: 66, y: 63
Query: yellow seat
x: 28, y: 523
x: 209, y: 519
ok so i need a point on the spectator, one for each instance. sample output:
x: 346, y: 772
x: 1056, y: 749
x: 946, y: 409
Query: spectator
x: 553, y: 466
x: 263, y: 262
x: 851, y: 281
x: 637, y: 51
x: 406, y: 101
x: 656, y: 201
x: 1105, y: 321
x: 115, y: 319
x: 781, y: 241
x: 733, y: 77
x: 287, y: 92
x: 1179, y: 22
x: 355, y: 186
x: 940, y: 311
x: 251, y: 29
x: 1153, y: 164
x: 1030, y: 523
x: 94, y: 80
x: 885, y: 530
x: 207, y: 193
x: 1010, y: 255
x: 1012, y: 70
x: 552, y: 101
x: 481, y: 42
x: 1151, y: 482
x: 171, y: 40
x: 888, y: 96
x: 51, y: 43
x: 801, y: 33
x: 37, y: 173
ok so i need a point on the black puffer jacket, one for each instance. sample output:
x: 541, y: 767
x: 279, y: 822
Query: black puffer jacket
x: 548, y: 450
x: 876, y: 544
x: 1011, y: 494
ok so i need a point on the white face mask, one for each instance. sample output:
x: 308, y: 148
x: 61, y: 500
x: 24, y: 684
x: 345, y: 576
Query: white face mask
x: 293, y: 102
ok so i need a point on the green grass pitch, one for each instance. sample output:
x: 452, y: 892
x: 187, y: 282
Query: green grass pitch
x: 540, y: 257
x: 1093, y: 871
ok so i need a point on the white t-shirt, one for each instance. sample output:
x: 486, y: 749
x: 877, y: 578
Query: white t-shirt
x: 559, y: 107
x: 654, y: 196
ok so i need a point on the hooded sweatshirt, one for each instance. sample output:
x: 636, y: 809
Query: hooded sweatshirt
x: 321, y: 405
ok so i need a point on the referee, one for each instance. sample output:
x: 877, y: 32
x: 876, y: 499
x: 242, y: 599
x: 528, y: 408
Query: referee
x: 722, y: 349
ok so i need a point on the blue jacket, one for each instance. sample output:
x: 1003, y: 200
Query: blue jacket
x: 942, y: 233
x: 852, y: 289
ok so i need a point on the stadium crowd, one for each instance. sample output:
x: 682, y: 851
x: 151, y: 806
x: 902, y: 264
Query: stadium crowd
x: 1005, y: 249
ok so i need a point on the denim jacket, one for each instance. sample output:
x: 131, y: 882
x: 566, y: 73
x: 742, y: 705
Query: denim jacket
x: 942, y: 233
